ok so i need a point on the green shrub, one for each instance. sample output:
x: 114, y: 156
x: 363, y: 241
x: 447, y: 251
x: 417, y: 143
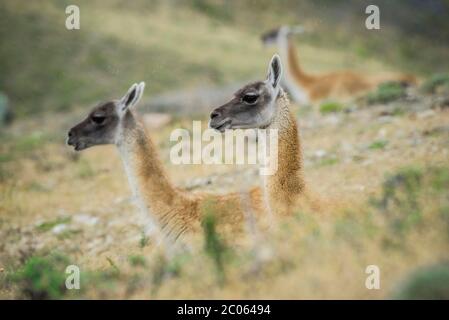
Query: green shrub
x: 434, y: 82
x: 137, y: 260
x: 439, y: 178
x: 386, y: 92
x: 215, y: 10
x: 164, y: 268
x: 378, y: 144
x: 399, y: 200
x: 144, y: 240
x: 428, y: 283
x: 330, y: 107
x: 42, y: 277
x: 5, y: 173
x: 214, y: 246
x: 48, y: 225
x: 328, y: 162
x: 176, y: 263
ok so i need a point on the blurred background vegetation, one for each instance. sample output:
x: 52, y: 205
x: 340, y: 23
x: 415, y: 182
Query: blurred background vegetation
x: 379, y: 164
x: 182, y: 44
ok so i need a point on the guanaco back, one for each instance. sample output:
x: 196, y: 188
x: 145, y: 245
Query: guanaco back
x: 304, y: 87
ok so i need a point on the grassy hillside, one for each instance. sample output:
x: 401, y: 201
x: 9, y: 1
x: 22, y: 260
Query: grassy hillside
x: 44, y: 66
x: 182, y: 44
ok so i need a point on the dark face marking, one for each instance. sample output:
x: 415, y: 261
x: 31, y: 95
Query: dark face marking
x: 276, y: 72
x: 98, y: 128
x: 251, y: 107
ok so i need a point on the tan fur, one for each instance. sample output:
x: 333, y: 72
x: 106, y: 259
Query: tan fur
x: 177, y: 212
x: 284, y: 188
x: 339, y: 84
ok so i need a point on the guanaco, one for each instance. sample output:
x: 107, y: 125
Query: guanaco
x: 305, y: 88
x: 264, y: 105
x: 174, y: 213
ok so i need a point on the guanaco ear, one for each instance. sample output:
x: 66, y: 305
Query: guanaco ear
x: 275, y: 71
x: 132, y: 97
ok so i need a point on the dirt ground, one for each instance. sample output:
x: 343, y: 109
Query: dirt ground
x: 56, y: 202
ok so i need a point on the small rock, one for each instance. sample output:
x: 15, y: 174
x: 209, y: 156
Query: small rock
x: 385, y: 119
x: 320, y: 153
x: 60, y: 228
x: 440, y: 103
x: 426, y: 114
x: 85, y: 219
x: 333, y: 119
x: 265, y: 254
x: 382, y: 133
x: 199, y: 182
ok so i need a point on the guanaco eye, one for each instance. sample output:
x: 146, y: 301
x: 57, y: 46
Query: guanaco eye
x: 250, y: 98
x: 98, y: 119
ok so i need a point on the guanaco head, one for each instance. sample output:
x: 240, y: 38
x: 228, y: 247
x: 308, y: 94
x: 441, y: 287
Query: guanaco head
x: 103, y: 124
x: 253, y: 106
x: 272, y: 37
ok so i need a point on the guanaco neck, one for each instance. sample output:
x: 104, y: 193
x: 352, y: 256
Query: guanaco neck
x: 284, y: 187
x: 149, y: 182
x: 295, y: 68
x: 295, y: 80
